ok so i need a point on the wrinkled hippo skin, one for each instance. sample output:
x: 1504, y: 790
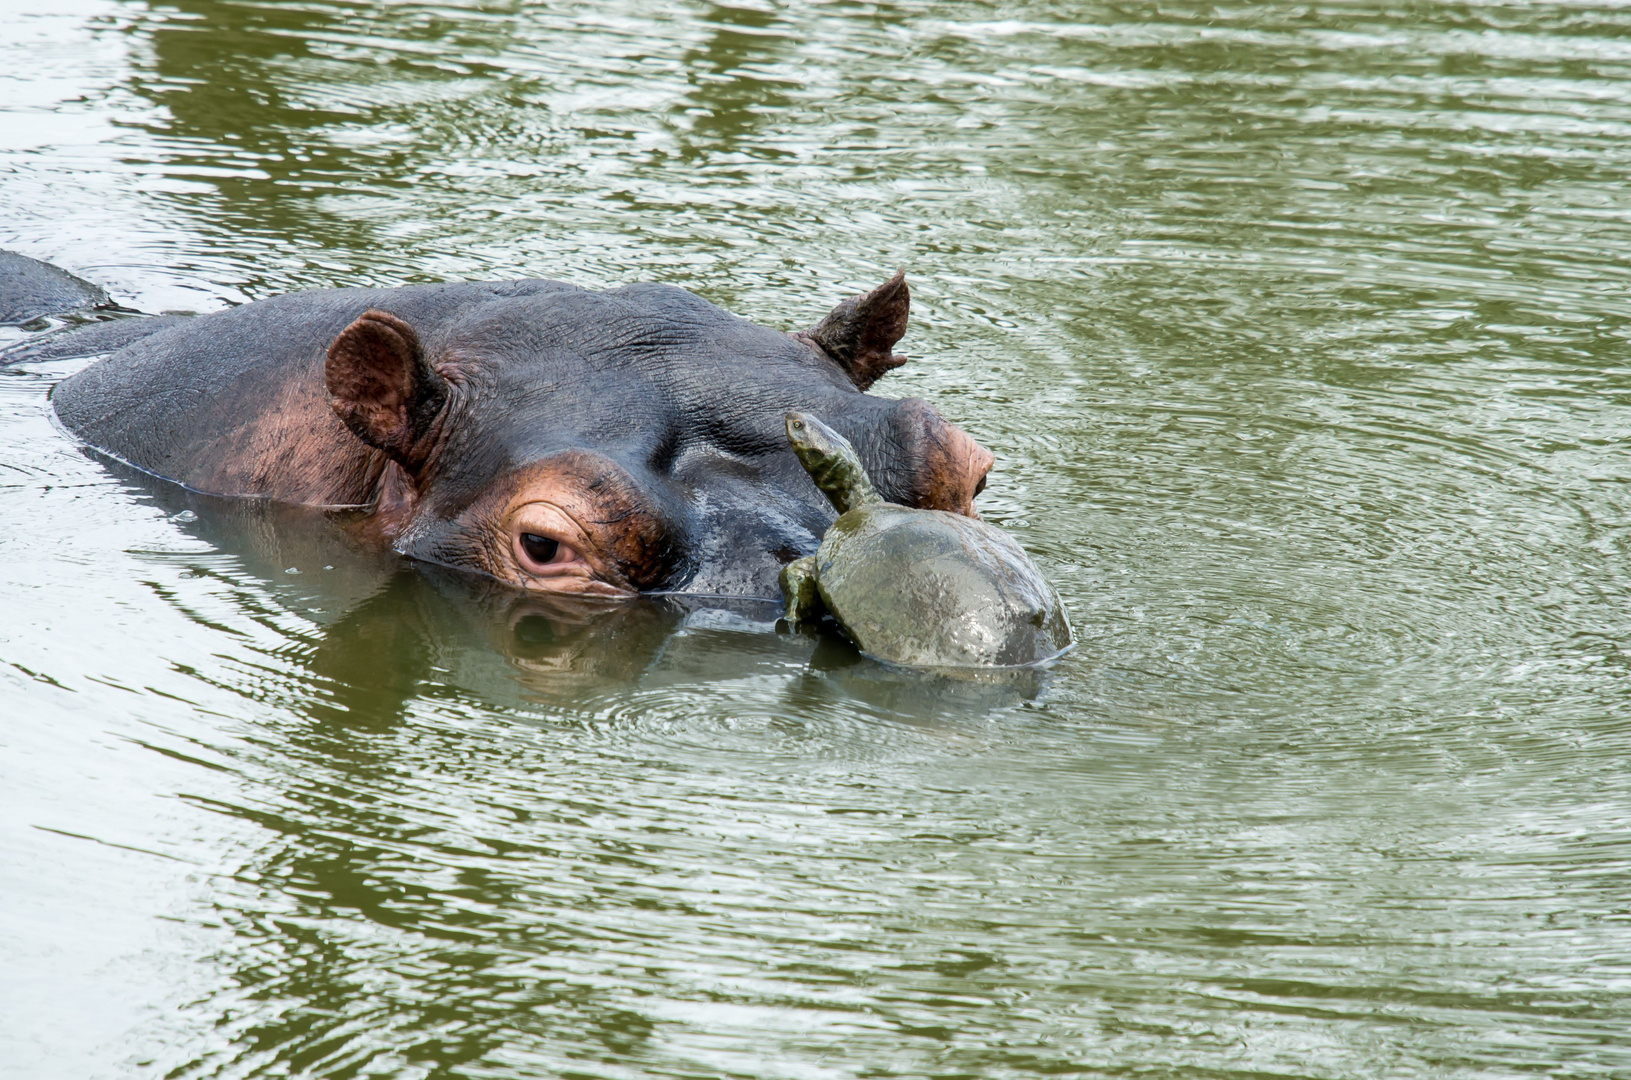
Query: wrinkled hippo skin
x: 30, y: 289
x: 550, y: 437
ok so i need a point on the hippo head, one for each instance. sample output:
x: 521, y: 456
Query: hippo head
x: 631, y: 440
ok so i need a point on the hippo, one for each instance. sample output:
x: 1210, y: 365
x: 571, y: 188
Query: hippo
x: 554, y: 438
x: 31, y: 289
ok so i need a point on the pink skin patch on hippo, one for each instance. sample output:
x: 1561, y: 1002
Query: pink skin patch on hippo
x: 572, y: 524
x: 948, y: 468
x: 968, y: 464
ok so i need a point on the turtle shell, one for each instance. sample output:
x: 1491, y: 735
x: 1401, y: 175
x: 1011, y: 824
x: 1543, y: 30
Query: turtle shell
x: 931, y: 589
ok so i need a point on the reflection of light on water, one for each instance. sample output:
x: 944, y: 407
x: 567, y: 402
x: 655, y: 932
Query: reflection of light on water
x: 724, y: 620
x: 1299, y: 336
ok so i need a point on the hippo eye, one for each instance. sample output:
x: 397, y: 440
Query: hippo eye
x: 544, y: 549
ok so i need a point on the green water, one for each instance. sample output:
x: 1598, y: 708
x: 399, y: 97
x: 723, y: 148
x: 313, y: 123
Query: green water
x: 1300, y: 334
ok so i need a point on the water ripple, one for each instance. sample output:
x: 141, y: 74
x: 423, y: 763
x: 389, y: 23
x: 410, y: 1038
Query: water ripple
x: 1300, y: 335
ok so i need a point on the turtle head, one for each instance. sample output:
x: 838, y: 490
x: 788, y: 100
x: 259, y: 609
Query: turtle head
x: 831, y: 462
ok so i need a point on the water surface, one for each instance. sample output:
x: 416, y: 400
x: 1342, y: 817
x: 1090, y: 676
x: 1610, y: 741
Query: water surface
x: 1300, y: 334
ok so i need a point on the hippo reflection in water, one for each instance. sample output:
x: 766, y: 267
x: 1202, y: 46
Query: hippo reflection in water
x: 554, y: 438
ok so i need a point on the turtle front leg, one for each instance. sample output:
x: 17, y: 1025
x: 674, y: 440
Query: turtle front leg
x: 798, y: 580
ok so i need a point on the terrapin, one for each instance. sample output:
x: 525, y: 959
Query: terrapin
x: 922, y: 588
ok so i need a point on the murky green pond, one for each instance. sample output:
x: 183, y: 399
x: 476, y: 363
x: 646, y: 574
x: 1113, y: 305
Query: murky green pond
x: 1302, y: 335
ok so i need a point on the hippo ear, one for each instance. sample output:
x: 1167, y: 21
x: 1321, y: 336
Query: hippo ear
x: 860, y: 332
x: 382, y: 388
